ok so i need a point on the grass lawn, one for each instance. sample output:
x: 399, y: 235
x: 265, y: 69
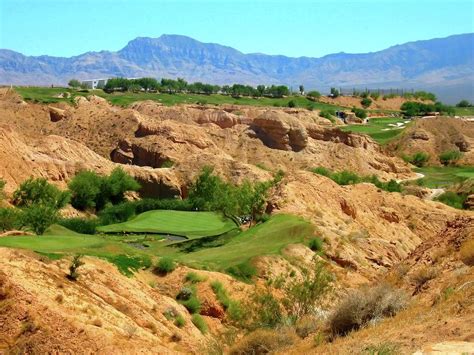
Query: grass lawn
x: 439, y: 177
x: 464, y: 111
x: 182, y: 223
x: 378, y: 128
x: 264, y: 239
x: 46, y: 95
x: 218, y: 253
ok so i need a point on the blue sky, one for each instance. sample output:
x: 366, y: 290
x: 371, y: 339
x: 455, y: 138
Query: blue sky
x: 293, y: 28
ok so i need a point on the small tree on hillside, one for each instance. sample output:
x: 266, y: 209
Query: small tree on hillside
x: 40, y: 191
x: 39, y: 217
x: 85, y: 188
x: 335, y: 92
x: 463, y: 103
x: 366, y: 102
x: 118, y: 183
x: 74, y: 83
x: 301, y: 88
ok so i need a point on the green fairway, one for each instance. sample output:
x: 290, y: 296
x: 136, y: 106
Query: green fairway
x: 264, y: 239
x: 217, y: 253
x: 438, y: 177
x: 47, y: 95
x: 181, y: 223
x: 380, y: 129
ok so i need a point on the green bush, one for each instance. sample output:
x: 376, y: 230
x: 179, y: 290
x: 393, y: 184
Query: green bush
x: 450, y: 157
x: 291, y: 103
x: 200, y: 323
x: 194, y: 277
x: 233, y: 308
x: 245, y: 271
x: 418, y: 159
x: 80, y: 225
x: 316, y: 244
x: 117, y: 214
x: 40, y: 191
x: 345, y: 177
x: 360, y: 113
x: 263, y: 311
x: 322, y: 171
x: 180, y: 321
x: 453, y: 199
x: 464, y: 103
x: 10, y: 219
x: 39, y: 217
x: 365, y: 102
x: 75, y: 264
x: 193, y: 305
x: 165, y: 266
x: 375, y: 95
x: 90, y: 190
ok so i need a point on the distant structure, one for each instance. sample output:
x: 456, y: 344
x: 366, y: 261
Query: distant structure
x: 95, y: 83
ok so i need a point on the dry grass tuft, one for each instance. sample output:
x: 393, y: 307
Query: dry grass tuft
x: 365, y: 306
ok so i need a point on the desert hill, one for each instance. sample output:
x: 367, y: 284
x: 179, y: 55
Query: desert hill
x: 370, y: 236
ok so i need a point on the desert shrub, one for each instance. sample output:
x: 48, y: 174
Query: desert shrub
x: 322, y: 171
x: 314, y: 94
x: 185, y: 293
x: 165, y: 266
x: 75, y: 264
x: 233, y: 308
x: 40, y: 191
x: 263, y: 311
x: 10, y: 218
x: 365, y: 102
x: 194, y: 277
x: 360, y: 113
x: 364, y: 306
x: 291, y: 103
x: 179, y: 321
x: 193, y: 304
x: 39, y: 217
x: 452, y: 199
x: 199, y: 322
x: 382, y: 349
x: 391, y: 186
x: 467, y: 252
x: 80, y: 225
x: 450, y: 157
x: 345, y: 177
x: 263, y: 341
x: 328, y: 114
x: 303, y: 295
x: 306, y: 325
x: 316, y: 244
x: 116, y: 213
x: 423, y: 275
x: 244, y: 271
x: 418, y: 159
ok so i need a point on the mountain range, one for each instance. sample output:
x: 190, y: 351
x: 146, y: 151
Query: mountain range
x: 443, y: 65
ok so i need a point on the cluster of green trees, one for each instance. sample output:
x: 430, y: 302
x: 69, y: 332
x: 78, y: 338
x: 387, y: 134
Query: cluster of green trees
x: 412, y: 108
x: 346, y: 177
x: 37, y: 202
x: 464, y: 103
x: 180, y: 85
x: 211, y: 193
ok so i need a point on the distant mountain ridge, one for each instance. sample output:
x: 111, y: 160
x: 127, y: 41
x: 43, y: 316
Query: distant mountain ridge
x: 443, y: 65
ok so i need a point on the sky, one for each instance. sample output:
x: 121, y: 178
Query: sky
x: 293, y: 28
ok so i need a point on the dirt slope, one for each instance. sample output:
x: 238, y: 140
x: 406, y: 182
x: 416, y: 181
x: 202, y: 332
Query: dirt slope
x: 437, y: 135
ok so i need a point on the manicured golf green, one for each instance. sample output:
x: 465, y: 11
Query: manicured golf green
x: 380, y: 129
x: 181, y: 223
x: 444, y: 176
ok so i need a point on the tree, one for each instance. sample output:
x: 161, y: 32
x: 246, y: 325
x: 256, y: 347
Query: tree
x: 40, y: 192
x: 134, y: 88
x: 301, y: 88
x: 85, y: 188
x: 39, y: 217
x: 74, y: 83
x: 117, y: 183
x: 206, y: 190
x: 334, y: 92
x: 463, y: 103
x: 366, y: 102
x: 303, y: 295
x: 260, y: 90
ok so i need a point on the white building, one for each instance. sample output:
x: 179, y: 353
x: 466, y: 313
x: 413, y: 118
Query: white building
x: 95, y: 83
